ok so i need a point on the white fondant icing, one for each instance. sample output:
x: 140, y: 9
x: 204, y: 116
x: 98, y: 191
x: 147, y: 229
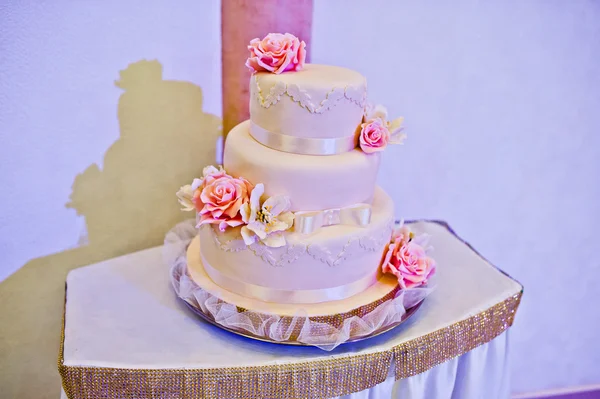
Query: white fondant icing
x: 331, y: 257
x: 320, y: 101
x: 311, y: 182
x: 356, y: 95
x: 294, y: 251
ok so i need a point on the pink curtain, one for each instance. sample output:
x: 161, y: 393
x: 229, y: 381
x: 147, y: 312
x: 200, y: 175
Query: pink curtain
x: 242, y: 21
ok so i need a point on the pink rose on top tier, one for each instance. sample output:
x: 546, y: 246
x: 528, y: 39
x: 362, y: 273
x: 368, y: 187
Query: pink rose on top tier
x: 276, y: 53
x: 220, y: 198
x: 407, y: 259
x: 374, y: 136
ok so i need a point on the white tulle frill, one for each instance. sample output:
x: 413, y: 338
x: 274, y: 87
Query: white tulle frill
x: 313, y: 331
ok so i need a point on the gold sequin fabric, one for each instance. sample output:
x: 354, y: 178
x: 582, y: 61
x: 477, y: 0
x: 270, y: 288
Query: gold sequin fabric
x: 323, y: 378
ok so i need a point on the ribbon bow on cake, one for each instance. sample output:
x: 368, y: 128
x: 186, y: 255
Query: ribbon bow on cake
x: 353, y: 215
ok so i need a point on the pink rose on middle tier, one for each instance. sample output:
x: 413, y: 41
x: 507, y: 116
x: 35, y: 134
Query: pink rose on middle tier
x: 220, y: 197
x: 374, y: 136
x: 408, y: 261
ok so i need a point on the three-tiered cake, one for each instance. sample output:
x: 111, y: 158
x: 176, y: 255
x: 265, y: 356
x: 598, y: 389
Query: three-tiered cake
x: 294, y: 219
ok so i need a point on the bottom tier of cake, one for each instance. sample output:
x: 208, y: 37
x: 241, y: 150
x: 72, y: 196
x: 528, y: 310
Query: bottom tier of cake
x: 333, y: 263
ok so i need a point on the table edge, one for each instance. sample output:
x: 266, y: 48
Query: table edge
x: 363, y: 370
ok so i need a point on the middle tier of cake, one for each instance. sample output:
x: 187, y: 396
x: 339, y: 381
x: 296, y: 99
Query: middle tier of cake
x: 311, y: 182
x: 335, y: 262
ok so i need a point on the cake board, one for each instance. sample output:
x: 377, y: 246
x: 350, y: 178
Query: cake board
x: 384, y: 289
x: 377, y: 309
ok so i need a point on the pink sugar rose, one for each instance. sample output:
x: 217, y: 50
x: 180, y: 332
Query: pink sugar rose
x: 220, y: 198
x: 374, y: 136
x: 276, y: 53
x: 209, y: 174
x: 408, y: 261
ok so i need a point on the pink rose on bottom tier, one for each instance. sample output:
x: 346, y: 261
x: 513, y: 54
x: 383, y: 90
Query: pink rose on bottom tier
x: 220, y: 199
x: 210, y: 174
x: 374, y: 136
x: 408, y: 261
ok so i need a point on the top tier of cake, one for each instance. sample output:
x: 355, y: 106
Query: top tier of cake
x: 318, y: 102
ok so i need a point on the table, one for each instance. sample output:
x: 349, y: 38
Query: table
x: 127, y: 335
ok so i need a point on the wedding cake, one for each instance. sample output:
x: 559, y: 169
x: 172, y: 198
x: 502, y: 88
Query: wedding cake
x: 294, y: 215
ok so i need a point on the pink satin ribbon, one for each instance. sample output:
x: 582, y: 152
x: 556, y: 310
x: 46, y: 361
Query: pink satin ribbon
x: 302, y: 145
x: 289, y: 296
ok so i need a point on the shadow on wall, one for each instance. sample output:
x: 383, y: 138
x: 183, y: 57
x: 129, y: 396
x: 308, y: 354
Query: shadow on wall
x: 165, y: 140
x: 128, y: 205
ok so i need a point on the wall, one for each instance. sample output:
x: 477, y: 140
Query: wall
x: 106, y: 108
x: 500, y: 101
x: 73, y: 85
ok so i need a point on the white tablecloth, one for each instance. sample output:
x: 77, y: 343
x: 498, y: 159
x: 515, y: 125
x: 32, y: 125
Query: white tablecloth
x: 122, y: 313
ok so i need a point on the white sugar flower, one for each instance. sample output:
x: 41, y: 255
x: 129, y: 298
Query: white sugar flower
x: 196, y: 183
x: 209, y: 170
x: 268, y: 221
x: 185, y: 196
x: 372, y: 112
x: 397, y: 135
